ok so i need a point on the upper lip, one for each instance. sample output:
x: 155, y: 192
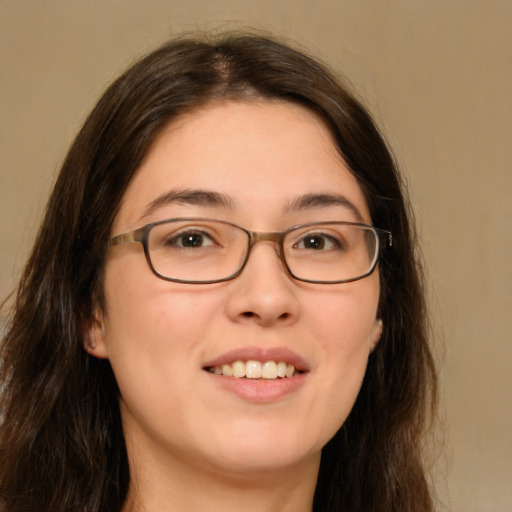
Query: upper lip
x: 255, y: 353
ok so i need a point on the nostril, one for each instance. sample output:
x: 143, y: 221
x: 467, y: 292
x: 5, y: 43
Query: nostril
x: 250, y: 314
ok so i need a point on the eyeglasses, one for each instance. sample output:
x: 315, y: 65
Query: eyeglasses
x: 204, y: 251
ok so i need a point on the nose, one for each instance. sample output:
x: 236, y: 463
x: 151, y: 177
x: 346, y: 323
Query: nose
x: 264, y: 293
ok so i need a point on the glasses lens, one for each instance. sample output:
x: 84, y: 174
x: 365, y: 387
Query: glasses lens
x: 196, y: 250
x: 331, y: 252
x: 201, y: 250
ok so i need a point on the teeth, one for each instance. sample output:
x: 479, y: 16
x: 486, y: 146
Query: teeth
x: 238, y: 369
x: 269, y: 370
x: 253, y: 370
x: 281, y: 369
x: 227, y: 370
x: 290, y: 370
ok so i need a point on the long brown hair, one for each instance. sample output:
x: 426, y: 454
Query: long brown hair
x: 61, y: 441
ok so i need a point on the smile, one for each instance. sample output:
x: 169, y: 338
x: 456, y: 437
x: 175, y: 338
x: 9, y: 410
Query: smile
x: 269, y: 370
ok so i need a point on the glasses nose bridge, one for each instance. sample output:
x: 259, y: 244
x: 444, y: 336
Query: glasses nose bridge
x: 270, y: 236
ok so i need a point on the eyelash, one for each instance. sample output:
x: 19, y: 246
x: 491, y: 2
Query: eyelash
x: 324, y: 237
x: 181, y: 237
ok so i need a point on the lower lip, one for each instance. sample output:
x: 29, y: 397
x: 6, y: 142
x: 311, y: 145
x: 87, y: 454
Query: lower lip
x: 260, y: 390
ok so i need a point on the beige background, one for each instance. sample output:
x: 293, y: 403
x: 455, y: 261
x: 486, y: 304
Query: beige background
x: 437, y: 75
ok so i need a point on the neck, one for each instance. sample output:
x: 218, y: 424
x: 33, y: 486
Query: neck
x: 195, y: 488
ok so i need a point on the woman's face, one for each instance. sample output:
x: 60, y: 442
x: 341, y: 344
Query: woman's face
x: 162, y: 337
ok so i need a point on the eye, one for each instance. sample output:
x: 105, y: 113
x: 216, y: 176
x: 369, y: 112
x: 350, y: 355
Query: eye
x: 191, y: 240
x: 318, y: 242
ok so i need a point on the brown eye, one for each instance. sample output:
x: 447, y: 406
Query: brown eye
x: 190, y: 240
x: 314, y: 242
x: 317, y: 242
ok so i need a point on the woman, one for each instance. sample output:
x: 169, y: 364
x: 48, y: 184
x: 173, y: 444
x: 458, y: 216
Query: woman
x: 223, y: 308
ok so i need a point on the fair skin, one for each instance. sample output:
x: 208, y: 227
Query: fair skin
x: 198, y: 441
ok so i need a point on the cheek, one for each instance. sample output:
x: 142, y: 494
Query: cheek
x: 153, y: 329
x: 345, y: 329
x: 154, y: 338
x: 345, y: 340
x: 140, y: 303
x: 345, y: 318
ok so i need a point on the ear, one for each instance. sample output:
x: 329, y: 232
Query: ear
x: 95, y: 335
x: 376, y: 334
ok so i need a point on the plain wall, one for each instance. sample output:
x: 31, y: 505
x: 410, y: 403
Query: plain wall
x: 437, y: 75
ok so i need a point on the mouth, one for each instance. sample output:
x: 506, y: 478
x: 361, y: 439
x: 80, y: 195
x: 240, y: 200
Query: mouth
x: 253, y: 369
x: 259, y: 375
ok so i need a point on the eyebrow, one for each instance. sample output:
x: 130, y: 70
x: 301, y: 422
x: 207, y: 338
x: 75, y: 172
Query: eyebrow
x: 322, y: 200
x: 213, y: 199
x: 196, y: 197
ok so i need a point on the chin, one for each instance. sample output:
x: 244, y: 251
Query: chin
x: 260, y: 449
x: 246, y: 463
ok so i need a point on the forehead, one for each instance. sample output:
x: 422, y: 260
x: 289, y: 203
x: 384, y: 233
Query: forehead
x: 261, y: 155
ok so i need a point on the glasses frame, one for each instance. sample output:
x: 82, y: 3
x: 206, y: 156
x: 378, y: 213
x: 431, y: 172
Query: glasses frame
x: 141, y: 235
